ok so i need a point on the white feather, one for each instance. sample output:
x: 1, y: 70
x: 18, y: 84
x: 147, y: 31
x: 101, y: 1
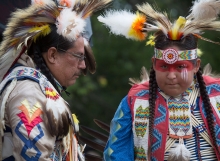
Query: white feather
x: 66, y: 141
x: 86, y: 43
x: 207, y: 70
x: 179, y: 153
x: 205, y: 10
x: 69, y: 24
x: 119, y: 22
x: 6, y: 61
x: 56, y: 106
x: 144, y: 77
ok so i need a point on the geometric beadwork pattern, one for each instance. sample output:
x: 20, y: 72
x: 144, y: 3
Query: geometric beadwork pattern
x: 153, y: 159
x: 26, y: 71
x: 213, y: 88
x: 30, y: 118
x: 142, y: 113
x: 139, y: 154
x: 119, y: 114
x: 218, y: 106
x: 158, y: 54
x: 180, y: 122
x: 140, y: 128
x: 51, y: 93
x: 179, y: 116
x: 29, y: 144
x: 217, y: 134
x: 185, y: 55
x: 142, y: 93
x: 157, y: 137
x: 181, y: 55
x: 162, y: 117
x: 178, y: 105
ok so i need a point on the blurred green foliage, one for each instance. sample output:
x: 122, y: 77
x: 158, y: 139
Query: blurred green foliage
x: 118, y: 59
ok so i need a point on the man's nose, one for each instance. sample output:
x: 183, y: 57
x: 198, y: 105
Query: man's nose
x: 82, y: 64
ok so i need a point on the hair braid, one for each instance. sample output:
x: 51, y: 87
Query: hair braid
x: 152, y: 98
x: 207, y: 106
x: 40, y: 63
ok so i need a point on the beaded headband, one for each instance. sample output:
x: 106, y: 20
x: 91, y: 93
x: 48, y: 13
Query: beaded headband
x: 171, y: 55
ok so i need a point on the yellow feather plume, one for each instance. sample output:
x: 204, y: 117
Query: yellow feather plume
x: 76, y: 121
x: 175, y: 34
x: 40, y: 31
x: 199, y: 52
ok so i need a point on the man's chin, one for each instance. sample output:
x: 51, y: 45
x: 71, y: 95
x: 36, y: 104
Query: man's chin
x: 72, y: 82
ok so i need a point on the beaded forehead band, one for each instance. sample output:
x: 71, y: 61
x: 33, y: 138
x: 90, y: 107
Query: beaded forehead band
x: 171, y: 55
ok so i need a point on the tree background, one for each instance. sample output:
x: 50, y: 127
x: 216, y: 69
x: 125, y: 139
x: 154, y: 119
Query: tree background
x: 118, y: 59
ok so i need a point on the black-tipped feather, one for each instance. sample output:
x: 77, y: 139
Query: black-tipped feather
x: 92, y: 144
x: 90, y: 157
x: 95, y: 133
x: 102, y: 125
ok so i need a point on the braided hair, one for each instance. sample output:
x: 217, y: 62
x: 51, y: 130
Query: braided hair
x: 187, y: 43
x: 152, y: 98
x: 207, y: 106
x: 41, y: 45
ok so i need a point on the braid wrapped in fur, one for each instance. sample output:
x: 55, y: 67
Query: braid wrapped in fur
x: 207, y: 106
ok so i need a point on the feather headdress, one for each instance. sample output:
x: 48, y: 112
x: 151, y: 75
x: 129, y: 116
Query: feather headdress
x: 203, y: 16
x: 27, y: 25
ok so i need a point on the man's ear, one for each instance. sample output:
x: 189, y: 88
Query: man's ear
x: 51, y: 55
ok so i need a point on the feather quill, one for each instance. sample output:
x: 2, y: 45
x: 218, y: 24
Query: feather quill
x: 85, y: 8
x: 205, y: 39
x: 154, y: 17
x: 196, y: 27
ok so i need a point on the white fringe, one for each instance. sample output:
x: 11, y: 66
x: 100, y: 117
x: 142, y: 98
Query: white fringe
x: 8, y: 91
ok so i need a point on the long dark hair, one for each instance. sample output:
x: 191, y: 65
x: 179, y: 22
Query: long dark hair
x: 187, y: 43
x: 42, y: 44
